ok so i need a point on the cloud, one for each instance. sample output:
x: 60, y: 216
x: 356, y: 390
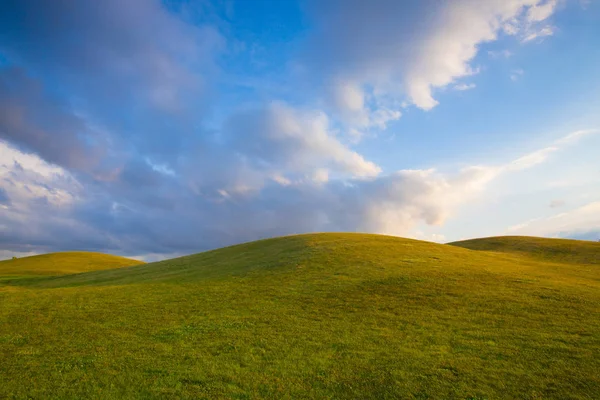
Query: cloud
x: 292, y: 140
x: 531, y: 159
x: 61, y: 216
x: 88, y: 77
x: 575, y: 136
x: 413, y: 48
x: 109, y: 143
x: 545, y: 31
x: 464, y: 86
x: 25, y: 178
x: 254, y: 197
x: 541, y: 11
x: 500, y: 53
x: 516, y: 74
x: 29, y: 118
x: 138, y: 44
x: 581, y: 222
x: 359, y: 109
x: 348, y: 97
x: 4, y: 199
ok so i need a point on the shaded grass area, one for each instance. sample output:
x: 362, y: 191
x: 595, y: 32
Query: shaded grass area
x: 552, y: 250
x: 310, y: 316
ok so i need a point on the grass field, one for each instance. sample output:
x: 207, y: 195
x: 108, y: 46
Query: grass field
x: 339, y: 316
x: 63, y: 263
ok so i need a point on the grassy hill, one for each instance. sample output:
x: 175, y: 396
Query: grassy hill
x: 62, y: 263
x: 552, y: 250
x: 312, y: 316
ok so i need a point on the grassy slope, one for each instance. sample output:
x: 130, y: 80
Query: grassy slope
x: 63, y: 263
x: 552, y: 250
x: 310, y: 316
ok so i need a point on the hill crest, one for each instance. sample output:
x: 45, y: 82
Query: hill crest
x: 63, y: 263
x: 548, y: 249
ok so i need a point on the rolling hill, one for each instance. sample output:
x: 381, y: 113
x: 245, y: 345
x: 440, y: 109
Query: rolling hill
x: 552, y: 250
x: 62, y: 264
x: 314, y: 316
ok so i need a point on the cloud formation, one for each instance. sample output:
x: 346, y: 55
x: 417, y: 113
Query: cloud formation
x: 103, y: 77
x: 110, y: 138
x: 579, y: 223
x: 179, y: 216
x: 395, y: 48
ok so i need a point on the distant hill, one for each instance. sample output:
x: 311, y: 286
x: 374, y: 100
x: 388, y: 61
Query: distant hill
x: 358, y: 255
x: 310, y: 317
x: 63, y: 263
x: 555, y: 250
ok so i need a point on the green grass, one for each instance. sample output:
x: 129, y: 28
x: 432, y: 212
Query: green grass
x: 63, y: 263
x: 313, y: 316
x: 552, y: 250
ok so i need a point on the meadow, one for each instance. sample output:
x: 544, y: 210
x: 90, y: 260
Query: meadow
x: 316, y: 316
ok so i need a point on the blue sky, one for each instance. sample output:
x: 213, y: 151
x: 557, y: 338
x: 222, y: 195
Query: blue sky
x: 153, y: 129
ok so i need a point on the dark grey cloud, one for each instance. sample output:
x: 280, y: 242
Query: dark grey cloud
x: 593, y: 235
x: 4, y: 199
x: 36, y: 122
x: 131, y: 70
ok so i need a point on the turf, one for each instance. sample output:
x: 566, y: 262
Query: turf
x: 62, y: 264
x: 551, y: 250
x: 312, y: 316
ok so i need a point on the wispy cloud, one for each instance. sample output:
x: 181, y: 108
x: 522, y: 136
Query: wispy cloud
x: 581, y: 222
x: 500, y: 54
x: 516, y: 74
x: 464, y: 86
x: 545, y: 31
x: 403, y: 59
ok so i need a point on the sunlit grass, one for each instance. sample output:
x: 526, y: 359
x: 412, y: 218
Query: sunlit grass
x: 72, y: 262
x: 310, y: 316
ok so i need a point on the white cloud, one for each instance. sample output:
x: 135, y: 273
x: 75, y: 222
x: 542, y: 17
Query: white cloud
x: 382, y: 116
x: 294, y: 141
x: 282, y: 180
x: 500, y: 53
x: 542, y: 11
x: 515, y: 74
x: 575, y: 136
x: 411, y: 49
x: 26, y: 178
x: 10, y: 155
x: 321, y: 175
x: 545, y: 31
x: 531, y: 159
x: 433, y: 237
x: 570, y: 223
x: 539, y: 156
x: 352, y: 106
x: 464, y: 86
x: 348, y: 97
x: 397, y: 203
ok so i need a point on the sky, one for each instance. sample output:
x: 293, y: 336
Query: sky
x: 153, y: 129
